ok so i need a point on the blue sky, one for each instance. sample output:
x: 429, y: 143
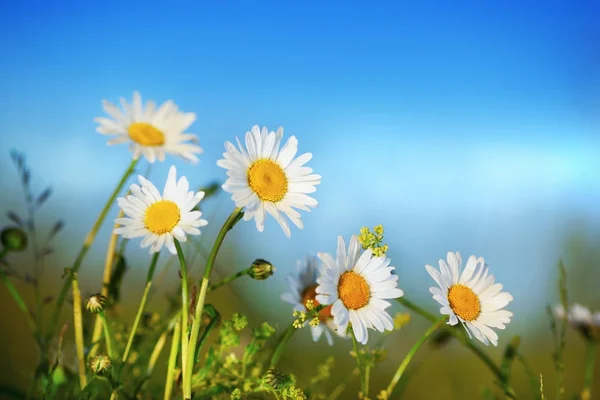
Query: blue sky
x: 462, y: 126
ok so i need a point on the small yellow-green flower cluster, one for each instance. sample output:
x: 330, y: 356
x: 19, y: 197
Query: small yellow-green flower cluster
x: 239, y: 322
x: 401, y: 320
x: 300, y: 319
x: 236, y: 394
x: 373, y: 240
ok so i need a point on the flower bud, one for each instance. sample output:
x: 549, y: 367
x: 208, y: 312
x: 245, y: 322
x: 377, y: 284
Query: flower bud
x: 261, y: 269
x: 96, y: 303
x: 100, y: 365
x: 13, y: 239
x: 276, y: 379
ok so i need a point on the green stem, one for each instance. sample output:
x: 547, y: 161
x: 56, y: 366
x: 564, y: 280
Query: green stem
x: 215, y: 317
x: 110, y: 348
x: 589, y: 370
x: 367, y: 377
x: 172, y: 360
x: 17, y: 297
x: 189, y: 357
x: 342, y: 386
x: 140, y: 310
x: 458, y: 335
x: 91, y: 236
x: 411, y: 354
x: 108, y: 264
x: 413, y: 307
x: 158, y: 348
x: 281, y: 343
x: 228, y: 279
x: 534, y: 381
x: 359, y: 364
x: 185, y: 304
x: 78, y: 327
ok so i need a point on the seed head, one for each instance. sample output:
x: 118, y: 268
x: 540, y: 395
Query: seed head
x: 13, y: 239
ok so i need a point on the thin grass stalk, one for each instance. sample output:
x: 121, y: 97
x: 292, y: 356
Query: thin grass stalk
x: 89, y: 240
x: 185, y: 304
x: 140, y: 310
x: 173, y: 359
x: 78, y: 328
x: 108, y: 264
x: 235, y: 216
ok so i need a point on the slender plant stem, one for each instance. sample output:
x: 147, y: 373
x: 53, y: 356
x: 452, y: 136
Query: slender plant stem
x: 589, y: 370
x: 367, y: 377
x: 535, y: 385
x: 18, y: 299
x: 189, y: 357
x: 228, y: 279
x: 158, y: 348
x: 359, y: 363
x: 214, y: 319
x: 413, y: 307
x: 185, y: 304
x: 140, y: 311
x: 36, y: 257
x: 281, y: 343
x: 78, y: 327
x: 342, y: 386
x: 108, y: 339
x: 411, y: 354
x: 108, y: 264
x: 172, y: 360
x: 458, y: 335
x: 89, y: 240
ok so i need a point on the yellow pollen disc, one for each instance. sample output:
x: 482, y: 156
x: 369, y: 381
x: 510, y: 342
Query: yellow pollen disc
x: 146, y: 134
x: 267, y: 180
x: 464, y: 302
x: 353, y: 290
x: 309, y: 294
x: 162, y: 217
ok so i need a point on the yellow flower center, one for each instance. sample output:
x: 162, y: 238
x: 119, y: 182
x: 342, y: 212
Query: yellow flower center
x: 464, y: 302
x: 161, y: 217
x: 267, y: 180
x: 353, y: 290
x: 309, y: 294
x: 146, y: 134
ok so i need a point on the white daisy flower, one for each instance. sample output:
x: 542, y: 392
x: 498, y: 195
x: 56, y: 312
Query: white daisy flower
x: 581, y: 318
x: 160, y: 219
x: 471, y: 297
x: 356, y: 285
x: 150, y: 131
x: 264, y: 178
x: 303, y: 287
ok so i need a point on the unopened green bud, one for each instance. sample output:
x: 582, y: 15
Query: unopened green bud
x: 13, y: 239
x: 96, y: 303
x: 100, y: 365
x: 276, y: 379
x: 261, y: 269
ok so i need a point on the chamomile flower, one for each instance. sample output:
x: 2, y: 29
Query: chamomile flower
x: 471, y: 297
x: 150, y: 131
x: 302, y: 289
x: 160, y: 219
x: 266, y: 178
x: 356, y: 285
x: 582, y: 319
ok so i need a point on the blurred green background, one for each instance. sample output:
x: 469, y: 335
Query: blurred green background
x: 459, y: 126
